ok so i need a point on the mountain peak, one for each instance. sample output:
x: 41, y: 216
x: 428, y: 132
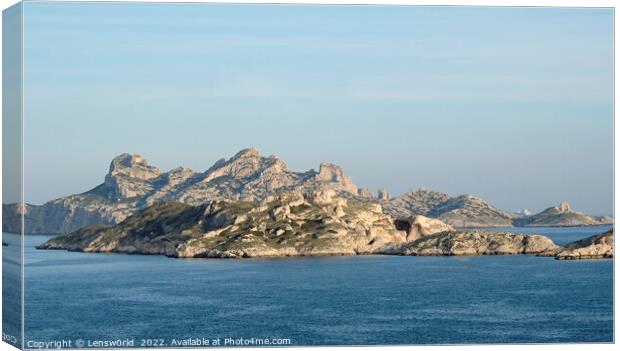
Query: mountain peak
x: 246, y: 163
x: 125, y: 160
x: 134, y: 166
x: 249, y: 152
x: 332, y: 173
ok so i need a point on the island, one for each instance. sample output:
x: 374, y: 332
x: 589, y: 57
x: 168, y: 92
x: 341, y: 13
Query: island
x: 293, y: 223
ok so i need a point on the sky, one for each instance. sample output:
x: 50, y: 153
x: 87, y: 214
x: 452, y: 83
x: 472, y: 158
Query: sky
x: 514, y: 105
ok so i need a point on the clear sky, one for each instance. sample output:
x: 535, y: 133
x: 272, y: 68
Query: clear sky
x: 512, y: 104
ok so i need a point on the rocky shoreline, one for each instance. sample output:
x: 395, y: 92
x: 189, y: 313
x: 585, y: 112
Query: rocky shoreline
x: 315, y: 223
x: 593, y: 247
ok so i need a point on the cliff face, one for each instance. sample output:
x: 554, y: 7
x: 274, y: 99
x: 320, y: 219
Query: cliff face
x: 561, y: 215
x: 596, y: 246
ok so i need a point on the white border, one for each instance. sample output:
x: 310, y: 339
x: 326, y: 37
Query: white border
x: 506, y: 3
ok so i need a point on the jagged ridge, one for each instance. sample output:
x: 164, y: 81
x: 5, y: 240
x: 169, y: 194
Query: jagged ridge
x: 132, y: 184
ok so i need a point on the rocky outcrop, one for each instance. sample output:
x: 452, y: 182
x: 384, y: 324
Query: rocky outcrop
x: 461, y: 211
x: 129, y: 176
x: 330, y: 174
x: 475, y: 243
x: 561, y: 215
x: 285, y: 224
x: 596, y: 246
x: 417, y: 227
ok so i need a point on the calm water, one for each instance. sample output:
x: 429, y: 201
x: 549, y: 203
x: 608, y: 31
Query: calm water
x: 338, y: 300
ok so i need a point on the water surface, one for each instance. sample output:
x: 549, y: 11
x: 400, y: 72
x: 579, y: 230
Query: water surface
x: 321, y: 300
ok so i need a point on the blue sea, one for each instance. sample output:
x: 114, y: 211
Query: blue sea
x: 363, y: 300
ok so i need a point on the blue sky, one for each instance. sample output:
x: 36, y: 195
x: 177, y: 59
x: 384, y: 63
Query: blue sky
x: 511, y: 104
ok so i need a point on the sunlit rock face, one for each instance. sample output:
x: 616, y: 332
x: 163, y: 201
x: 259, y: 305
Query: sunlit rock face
x: 476, y: 243
x: 288, y: 223
x: 596, y: 246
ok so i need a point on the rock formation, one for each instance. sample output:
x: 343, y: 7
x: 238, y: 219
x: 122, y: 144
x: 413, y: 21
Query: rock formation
x: 461, y: 211
x: 129, y: 176
x: 596, y: 246
x: 289, y: 223
x: 420, y: 226
x: 284, y: 224
x: 132, y: 184
x: 561, y: 215
x: 475, y: 243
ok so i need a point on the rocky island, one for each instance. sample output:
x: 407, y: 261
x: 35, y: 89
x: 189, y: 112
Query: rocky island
x: 291, y: 223
x: 562, y: 215
x: 286, y: 224
x: 132, y: 184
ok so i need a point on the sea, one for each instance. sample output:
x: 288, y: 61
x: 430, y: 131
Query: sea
x: 75, y: 299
